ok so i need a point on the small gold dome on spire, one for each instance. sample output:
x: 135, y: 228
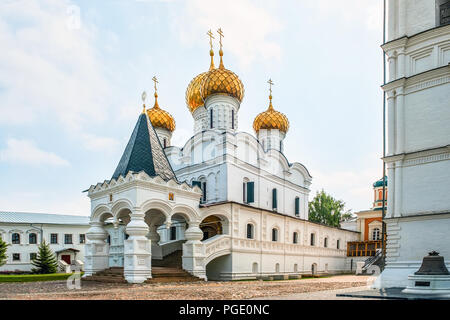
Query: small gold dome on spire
x: 221, y: 80
x: 158, y: 117
x: 271, y: 119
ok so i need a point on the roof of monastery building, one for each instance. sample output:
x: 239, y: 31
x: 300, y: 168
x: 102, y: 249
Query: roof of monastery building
x: 29, y: 217
x: 144, y: 153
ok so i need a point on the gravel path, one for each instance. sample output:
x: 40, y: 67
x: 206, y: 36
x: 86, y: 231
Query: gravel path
x: 57, y: 290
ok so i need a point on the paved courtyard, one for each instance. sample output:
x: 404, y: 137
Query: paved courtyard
x: 304, y: 289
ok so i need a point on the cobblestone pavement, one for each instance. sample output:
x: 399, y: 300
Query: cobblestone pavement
x: 57, y: 290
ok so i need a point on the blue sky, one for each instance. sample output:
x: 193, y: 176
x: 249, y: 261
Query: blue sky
x: 72, y: 73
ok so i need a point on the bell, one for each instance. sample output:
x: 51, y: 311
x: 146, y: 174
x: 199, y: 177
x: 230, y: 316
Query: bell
x: 433, y: 264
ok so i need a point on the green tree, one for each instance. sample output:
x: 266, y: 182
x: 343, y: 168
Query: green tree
x: 3, y: 249
x: 327, y: 210
x: 45, y: 261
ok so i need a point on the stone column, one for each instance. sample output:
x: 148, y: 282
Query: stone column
x: 400, y: 120
x: 96, y: 249
x: 194, y: 251
x: 391, y: 191
x: 137, y: 250
x: 391, y: 123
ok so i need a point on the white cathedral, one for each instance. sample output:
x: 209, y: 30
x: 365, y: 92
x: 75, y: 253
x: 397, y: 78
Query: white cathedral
x: 227, y: 205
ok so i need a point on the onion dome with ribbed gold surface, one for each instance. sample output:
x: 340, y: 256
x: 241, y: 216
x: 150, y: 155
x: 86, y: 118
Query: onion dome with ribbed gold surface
x: 271, y: 119
x: 222, y: 81
x: 193, y: 96
x: 160, y: 118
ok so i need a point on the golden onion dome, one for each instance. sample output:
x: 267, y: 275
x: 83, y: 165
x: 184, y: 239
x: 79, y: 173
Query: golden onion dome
x: 271, y: 119
x: 221, y: 81
x: 160, y: 118
x: 193, y: 96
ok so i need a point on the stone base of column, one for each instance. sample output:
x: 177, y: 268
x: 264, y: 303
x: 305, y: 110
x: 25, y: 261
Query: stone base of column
x: 96, y: 258
x: 137, y: 260
x: 193, y: 259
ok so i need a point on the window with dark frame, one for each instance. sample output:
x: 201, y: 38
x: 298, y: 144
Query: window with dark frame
x: 32, y: 238
x: 33, y: 256
x: 211, y: 118
x: 325, y: 243
x: 16, y: 256
x: 338, y: 244
x: 53, y: 238
x: 444, y: 13
x: 313, y: 239
x: 274, y: 234
x: 82, y: 238
x: 295, y: 240
x: 250, y: 231
x: 68, y: 239
x: 15, y: 238
x: 297, y: 206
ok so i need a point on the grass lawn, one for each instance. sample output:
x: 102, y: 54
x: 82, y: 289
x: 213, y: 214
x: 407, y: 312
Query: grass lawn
x: 34, y: 277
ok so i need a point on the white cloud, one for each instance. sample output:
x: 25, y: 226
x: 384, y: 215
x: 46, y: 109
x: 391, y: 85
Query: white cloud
x: 25, y: 152
x: 233, y: 17
x: 49, y: 65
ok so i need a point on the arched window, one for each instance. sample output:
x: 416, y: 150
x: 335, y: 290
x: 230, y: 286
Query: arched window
x: 32, y: 238
x: 255, y: 267
x: 15, y: 238
x: 313, y: 239
x: 297, y: 206
x: 295, y: 267
x: 295, y: 237
x: 325, y: 242
x: 274, y: 198
x: 277, y: 267
x: 211, y: 118
x: 376, y: 234
x: 232, y: 118
x: 274, y: 234
x: 338, y: 244
x: 250, y: 231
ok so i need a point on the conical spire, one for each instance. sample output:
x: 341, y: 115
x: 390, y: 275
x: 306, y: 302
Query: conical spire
x: 144, y: 153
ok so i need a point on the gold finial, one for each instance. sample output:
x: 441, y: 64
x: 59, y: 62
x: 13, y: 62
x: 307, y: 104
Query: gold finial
x: 211, y: 52
x: 270, y: 82
x: 143, y: 96
x: 156, y: 92
x: 220, y: 32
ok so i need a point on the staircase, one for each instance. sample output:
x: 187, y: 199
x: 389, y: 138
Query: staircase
x: 172, y: 260
x: 165, y: 270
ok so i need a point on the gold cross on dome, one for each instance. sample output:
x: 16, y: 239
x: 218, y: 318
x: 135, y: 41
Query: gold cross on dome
x: 270, y: 82
x: 220, y: 32
x: 155, y: 81
x: 211, y: 36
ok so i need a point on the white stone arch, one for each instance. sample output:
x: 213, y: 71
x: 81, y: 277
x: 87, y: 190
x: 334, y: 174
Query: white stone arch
x: 120, y: 205
x: 157, y: 204
x: 99, y: 212
x: 314, y: 268
x: 376, y: 224
x: 187, y: 212
x: 299, y: 236
x: 255, y: 268
x: 224, y: 216
x: 277, y: 267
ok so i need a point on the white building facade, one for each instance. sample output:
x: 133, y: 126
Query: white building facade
x: 23, y: 232
x: 418, y: 155
x: 229, y: 203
